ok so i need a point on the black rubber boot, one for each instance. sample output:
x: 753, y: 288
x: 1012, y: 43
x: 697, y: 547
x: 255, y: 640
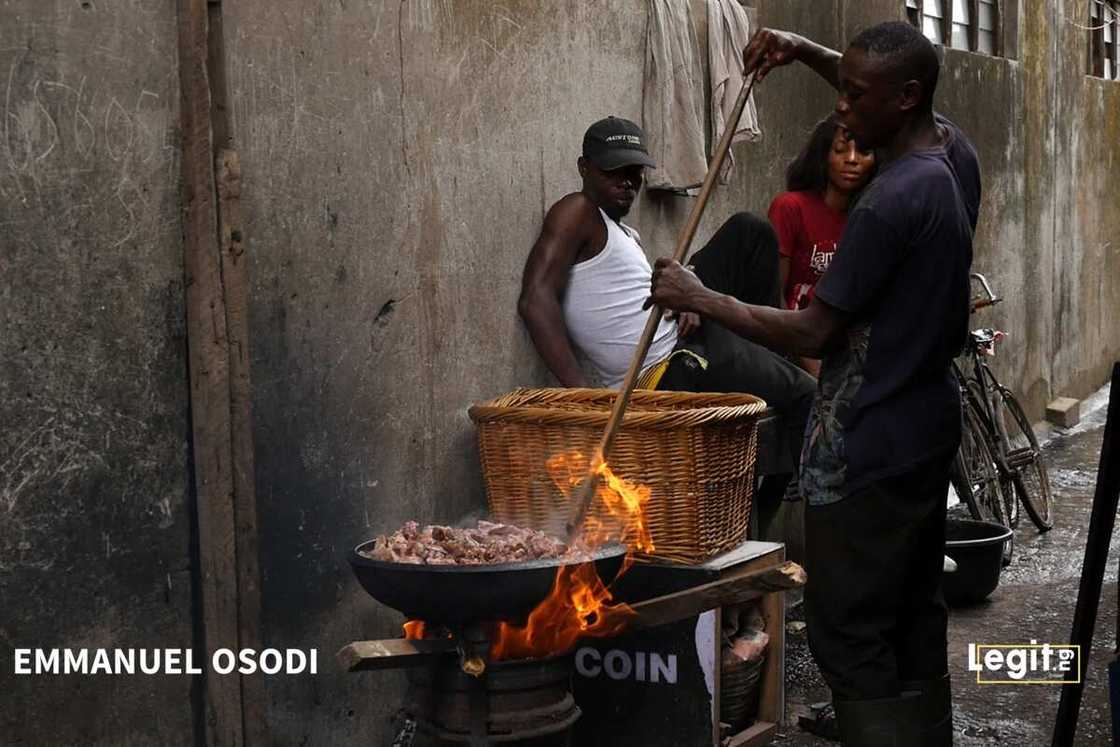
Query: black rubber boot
x: 886, y: 722
x: 821, y: 721
x: 936, y: 710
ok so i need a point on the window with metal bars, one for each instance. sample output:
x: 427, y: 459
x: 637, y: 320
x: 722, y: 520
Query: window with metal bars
x: 1104, y: 39
x: 972, y: 25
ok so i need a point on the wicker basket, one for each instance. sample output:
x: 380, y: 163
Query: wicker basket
x: 739, y: 690
x: 695, y: 451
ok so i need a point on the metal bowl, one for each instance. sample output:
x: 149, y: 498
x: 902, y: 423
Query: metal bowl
x: 458, y: 594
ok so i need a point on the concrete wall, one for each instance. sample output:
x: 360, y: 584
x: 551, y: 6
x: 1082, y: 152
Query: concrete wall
x: 398, y: 159
x: 396, y: 178
x: 94, y: 515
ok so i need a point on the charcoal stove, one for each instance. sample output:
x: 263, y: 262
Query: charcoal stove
x: 456, y: 695
x: 470, y: 699
x: 526, y: 702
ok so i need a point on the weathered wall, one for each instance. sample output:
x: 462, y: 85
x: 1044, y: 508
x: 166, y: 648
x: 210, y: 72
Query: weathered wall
x: 94, y: 518
x: 396, y: 178
x: 398, y: 159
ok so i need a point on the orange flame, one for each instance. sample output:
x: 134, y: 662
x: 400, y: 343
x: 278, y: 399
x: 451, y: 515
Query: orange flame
x: 618, y: 511
x: 579, y: 605
x: 414, y: 630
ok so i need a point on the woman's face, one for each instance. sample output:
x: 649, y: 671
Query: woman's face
x: 849, y: 168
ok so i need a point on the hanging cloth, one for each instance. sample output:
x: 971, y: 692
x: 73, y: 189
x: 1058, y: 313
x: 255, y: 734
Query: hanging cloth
x: 729, y: 30
x: 673, y: 98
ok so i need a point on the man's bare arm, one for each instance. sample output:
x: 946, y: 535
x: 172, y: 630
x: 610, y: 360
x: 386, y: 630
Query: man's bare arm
x: 543, y: 282
x: 809, y: 332
x: 770, y: 48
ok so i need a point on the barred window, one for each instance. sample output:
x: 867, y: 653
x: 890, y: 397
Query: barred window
x: 1104, y: 38
x: 972, y: 25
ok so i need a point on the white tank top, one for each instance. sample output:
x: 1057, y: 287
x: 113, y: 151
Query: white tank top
x: 603, y: 307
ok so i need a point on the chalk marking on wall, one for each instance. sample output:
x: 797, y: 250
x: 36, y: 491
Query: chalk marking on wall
x: 503, y: 18
x: 8, y: 116
x: 131, y: 215
x: 84, y: 145
x: 115, y: 113
x: 492, y: 48
x: 52, y: 449
x: 50, y: 121
x: 108, y: 52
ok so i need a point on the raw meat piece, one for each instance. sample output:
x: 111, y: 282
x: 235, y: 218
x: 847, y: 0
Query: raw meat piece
x: 485, y: 544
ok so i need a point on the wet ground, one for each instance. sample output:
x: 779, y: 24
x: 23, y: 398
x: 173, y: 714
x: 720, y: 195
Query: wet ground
x: 1035, y: 600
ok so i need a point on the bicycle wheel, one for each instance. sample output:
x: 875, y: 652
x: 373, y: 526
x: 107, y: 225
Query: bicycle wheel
x: 976, y: 398
x: 976, y: 478
x: 1024, y: 458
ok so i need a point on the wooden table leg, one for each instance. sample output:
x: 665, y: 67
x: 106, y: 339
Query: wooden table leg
x: 772, y: 702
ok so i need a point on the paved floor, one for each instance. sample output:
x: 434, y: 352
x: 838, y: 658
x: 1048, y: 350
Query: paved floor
x: 1035, y: 600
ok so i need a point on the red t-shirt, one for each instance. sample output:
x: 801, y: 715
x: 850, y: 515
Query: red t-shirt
x: 808, y: 232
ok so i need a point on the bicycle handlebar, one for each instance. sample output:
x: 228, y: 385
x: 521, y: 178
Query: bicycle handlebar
x: 992, y: 298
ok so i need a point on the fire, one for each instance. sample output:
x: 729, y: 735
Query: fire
x: 580, y: 604
x: 622, y: 501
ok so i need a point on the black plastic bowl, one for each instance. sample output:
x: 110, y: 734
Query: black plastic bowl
x: 977, y: 548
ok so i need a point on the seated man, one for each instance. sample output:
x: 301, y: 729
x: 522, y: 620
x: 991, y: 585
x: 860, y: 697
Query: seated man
x: 587, y: 277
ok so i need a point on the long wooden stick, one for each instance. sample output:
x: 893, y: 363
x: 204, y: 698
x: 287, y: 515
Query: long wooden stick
x: 585, y: 491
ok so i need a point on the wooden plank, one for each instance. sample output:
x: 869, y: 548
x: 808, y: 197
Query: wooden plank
x: 771, y: 703
x: 733, y: 589
x: 998, y: 32
x: 947, y: 23
x: 717, y: 675
x: 773, y: 557
x: 208, y: 362
x: 394, y: 653
x: 761, y: 732
x: 974, y: 25
x: 235, y: 290
x: 748, y: 550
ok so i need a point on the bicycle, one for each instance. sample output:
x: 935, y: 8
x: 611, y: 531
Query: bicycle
x: 999, y: 465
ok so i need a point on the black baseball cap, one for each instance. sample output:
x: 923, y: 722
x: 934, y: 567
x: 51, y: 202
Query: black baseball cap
x: 615, y: 142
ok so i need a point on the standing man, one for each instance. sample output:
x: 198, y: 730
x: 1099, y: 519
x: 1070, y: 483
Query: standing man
x: 888, y: 317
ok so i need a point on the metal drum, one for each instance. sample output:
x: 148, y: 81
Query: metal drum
x: 524, y: 701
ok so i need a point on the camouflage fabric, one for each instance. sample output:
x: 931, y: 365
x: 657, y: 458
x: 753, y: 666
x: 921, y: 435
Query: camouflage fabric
x: 823, y: 460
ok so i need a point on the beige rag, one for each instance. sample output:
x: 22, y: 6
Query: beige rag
x: 673, y: 98
x: 729, y: 30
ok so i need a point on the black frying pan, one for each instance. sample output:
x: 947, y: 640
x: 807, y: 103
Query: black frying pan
x: 456, y: 594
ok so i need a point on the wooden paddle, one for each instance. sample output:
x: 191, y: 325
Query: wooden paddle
x: 585, y: 491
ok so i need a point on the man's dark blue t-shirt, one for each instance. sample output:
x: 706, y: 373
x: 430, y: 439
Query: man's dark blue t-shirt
x: 887, y: 400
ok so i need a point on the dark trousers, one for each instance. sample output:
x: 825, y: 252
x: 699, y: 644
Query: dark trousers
x: 741, y: 260
x: 874, y: 610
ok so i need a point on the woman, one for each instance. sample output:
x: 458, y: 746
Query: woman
x: 809, y: 217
